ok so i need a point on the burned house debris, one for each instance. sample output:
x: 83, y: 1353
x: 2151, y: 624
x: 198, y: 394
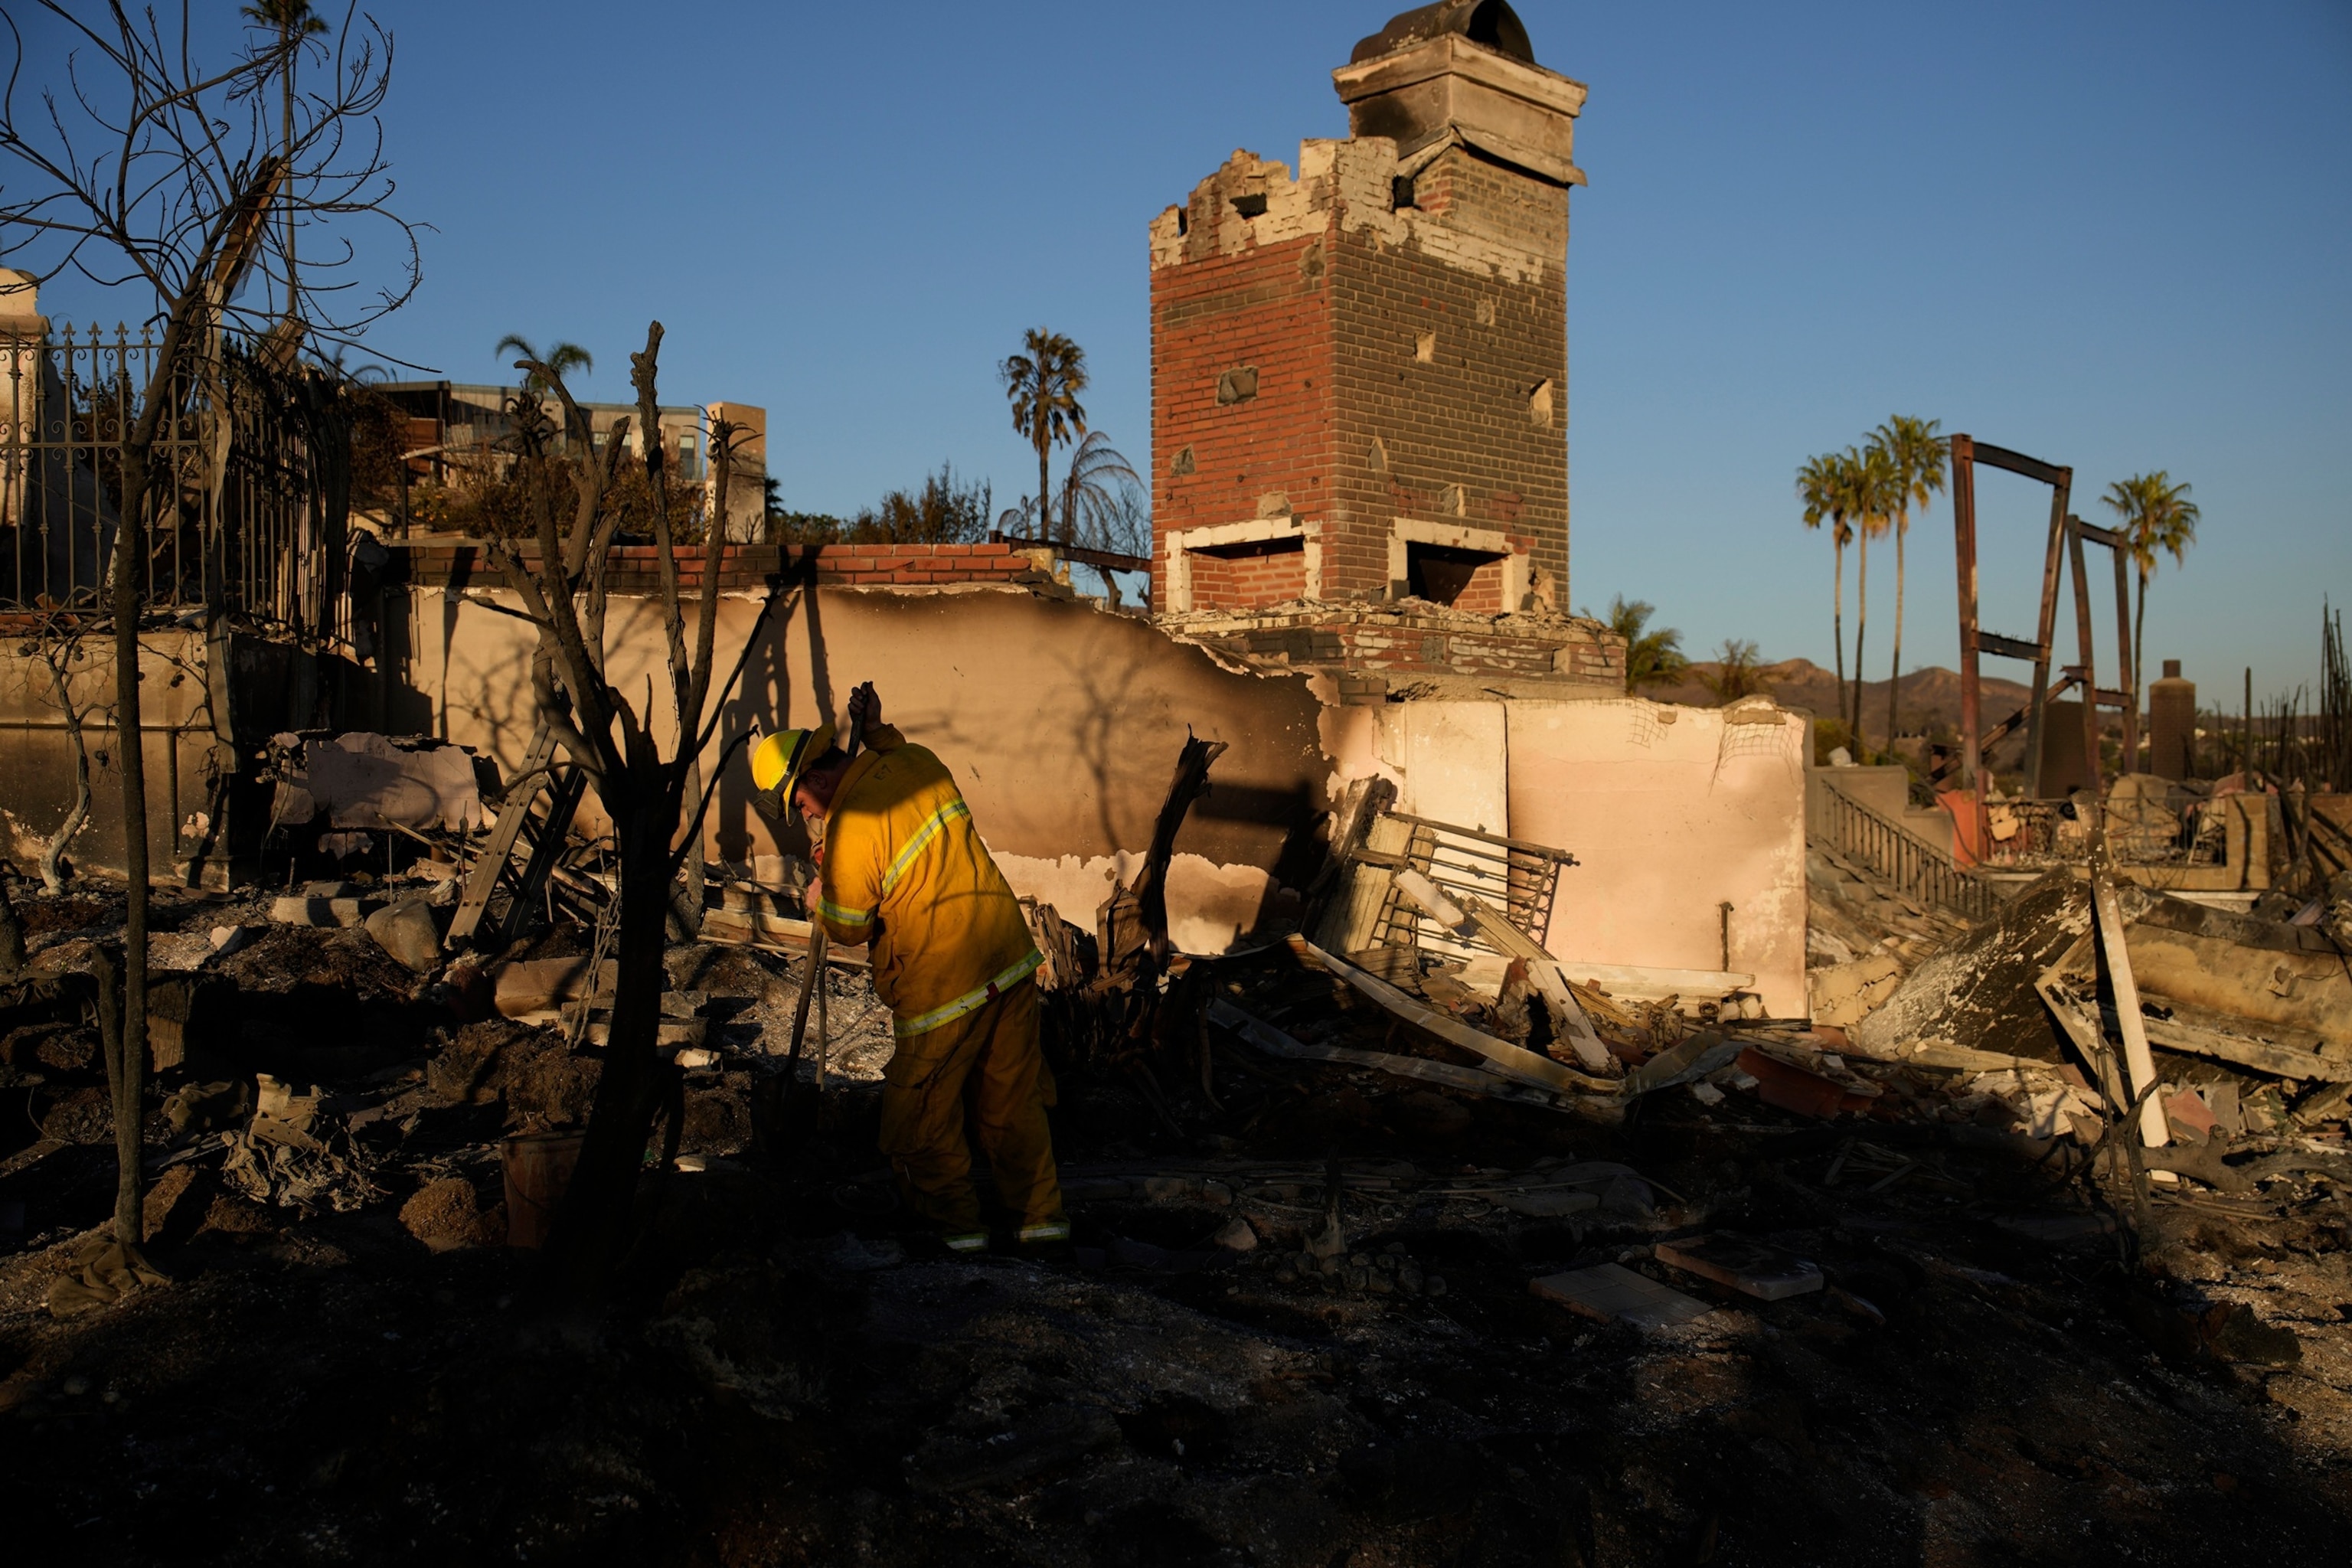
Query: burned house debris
x: 1504, y: 1119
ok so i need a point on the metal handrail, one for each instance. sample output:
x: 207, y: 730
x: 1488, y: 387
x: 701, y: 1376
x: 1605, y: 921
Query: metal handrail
x: 1907, y: 862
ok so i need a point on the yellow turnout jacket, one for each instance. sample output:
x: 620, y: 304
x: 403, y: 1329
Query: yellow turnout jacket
x: 905, y: 872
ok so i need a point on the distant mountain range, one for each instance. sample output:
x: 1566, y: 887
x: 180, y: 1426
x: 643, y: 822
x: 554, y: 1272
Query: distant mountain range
x: 1931, y: 697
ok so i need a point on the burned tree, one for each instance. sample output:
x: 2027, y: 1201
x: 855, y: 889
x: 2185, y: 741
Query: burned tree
x: 57, y: 644
x: 655, y: 801
x: 157, y: 178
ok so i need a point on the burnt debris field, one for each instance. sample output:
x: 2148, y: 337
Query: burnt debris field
x: 1317, y: 1311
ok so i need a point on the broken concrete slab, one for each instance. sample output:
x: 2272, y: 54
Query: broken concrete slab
x: 1842, y: 994
x: 2279, y: 1050
x: 1980, y: 991
x: 1695, y: 1057
x: 301, y: 909
x: 1613, y: 1293
x: 408, y: 931
x: 2046, y: 1105
x: 1237, y: 1236
x: 534, y: 985
x: 2269, y: 973
x: 1743, y: 1264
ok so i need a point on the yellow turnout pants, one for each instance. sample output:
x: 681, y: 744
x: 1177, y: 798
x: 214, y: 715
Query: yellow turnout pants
x: 989, y: 1057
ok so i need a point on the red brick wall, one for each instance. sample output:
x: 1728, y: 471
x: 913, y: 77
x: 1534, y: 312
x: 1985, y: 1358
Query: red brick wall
x: 917, y: 564
x: 636, y: 568
x: 1484, y: 595
x: 1265, y: 308
x: 1250, y: 577
x: 1463, y: 418
x: 1418, y: 645
x: 1332, y: 320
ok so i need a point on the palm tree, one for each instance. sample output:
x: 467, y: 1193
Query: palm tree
x: 1043, y: 386
x: 1651, y: 658
x: 1873, y: 495
x: 1091, y: 492
x: 1826, y: 487
x: 2156, y: 515
x: 1093, y: 495
x: 562, y: 359
x: 1917, y: 454
x: 1104, y: 507
x: 294, y: 21
x: 1739, y: 671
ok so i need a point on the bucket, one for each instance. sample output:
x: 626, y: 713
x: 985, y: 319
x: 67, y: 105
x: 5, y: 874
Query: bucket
x: 539, y: 1171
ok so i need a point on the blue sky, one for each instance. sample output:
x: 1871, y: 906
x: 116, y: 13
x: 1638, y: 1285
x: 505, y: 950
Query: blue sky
x: 2115, y: 236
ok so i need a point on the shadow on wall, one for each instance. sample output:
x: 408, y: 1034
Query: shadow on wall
x: 1061, y: 722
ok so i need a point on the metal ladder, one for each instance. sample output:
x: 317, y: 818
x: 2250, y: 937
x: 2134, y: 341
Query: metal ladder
x: 563, y: 784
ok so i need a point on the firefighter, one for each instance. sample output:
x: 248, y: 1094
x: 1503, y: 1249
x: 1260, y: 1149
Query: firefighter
x: 901, y: 869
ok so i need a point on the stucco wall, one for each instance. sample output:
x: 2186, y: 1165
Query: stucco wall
x: 37, y: 757
x: 1666, y: 817
x: 1671, y: 812
x: 1061, y: 723
x: 1450, y: 761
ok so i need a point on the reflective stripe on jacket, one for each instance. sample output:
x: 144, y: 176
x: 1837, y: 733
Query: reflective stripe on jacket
x: 905, y: 871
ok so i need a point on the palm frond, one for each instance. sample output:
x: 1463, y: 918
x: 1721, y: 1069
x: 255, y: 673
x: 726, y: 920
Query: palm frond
x: 2158, y: 517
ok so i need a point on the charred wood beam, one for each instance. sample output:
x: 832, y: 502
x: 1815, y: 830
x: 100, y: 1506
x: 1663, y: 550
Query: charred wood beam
x: 1150, y: 884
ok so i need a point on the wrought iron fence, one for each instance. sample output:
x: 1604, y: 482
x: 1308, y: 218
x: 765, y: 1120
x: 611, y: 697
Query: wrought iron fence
x: 242, y: 518
x: 1907, y: 862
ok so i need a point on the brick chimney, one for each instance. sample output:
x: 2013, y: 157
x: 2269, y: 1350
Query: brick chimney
x: 1360, y: 373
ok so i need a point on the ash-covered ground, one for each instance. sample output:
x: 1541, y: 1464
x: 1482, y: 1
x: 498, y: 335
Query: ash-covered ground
x: 346, y: 1365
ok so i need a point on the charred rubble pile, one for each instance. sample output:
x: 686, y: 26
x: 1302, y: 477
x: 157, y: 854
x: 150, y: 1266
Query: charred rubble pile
x: 1399, y: 1239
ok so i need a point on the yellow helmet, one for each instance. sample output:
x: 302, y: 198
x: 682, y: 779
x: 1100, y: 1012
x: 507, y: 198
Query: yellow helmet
x: 778, y: 760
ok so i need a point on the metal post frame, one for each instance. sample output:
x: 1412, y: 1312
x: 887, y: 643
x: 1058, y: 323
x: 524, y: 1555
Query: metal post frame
x: 2085, y: 672
x: 2061, y: 488
x: 1974, y: 640
x: 2128, y: 668
x: 1964, y: 542
x: 2124, y: 696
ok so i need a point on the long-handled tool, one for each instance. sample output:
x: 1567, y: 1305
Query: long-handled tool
x: 810, y: 977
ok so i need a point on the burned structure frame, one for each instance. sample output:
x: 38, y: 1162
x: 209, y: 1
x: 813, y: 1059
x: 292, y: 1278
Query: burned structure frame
x: 2067, y: 535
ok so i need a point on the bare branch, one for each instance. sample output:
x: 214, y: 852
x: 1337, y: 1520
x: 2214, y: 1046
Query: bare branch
x: 127, y: 168
x: 644, y: 369
x: 714, y: 539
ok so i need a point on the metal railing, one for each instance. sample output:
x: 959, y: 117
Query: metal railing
x: 1515, y: 877
x: 1903, y: 861
x: 240, y: 521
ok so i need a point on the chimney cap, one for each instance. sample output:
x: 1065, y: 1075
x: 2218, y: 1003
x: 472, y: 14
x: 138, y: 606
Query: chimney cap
x: 1488, y: 22
x: 2172, y: 670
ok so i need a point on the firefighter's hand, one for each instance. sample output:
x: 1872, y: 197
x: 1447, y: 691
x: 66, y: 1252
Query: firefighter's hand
x: 865, y: 709
x: 812, y: 896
